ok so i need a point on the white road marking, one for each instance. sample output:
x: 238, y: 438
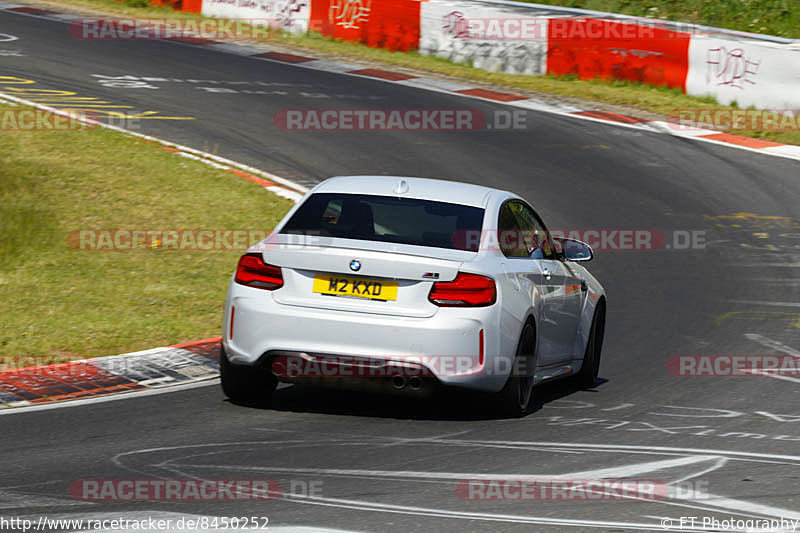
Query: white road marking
x: 696, y: 501
x: 324, y: 65
x: 627, y: 471
x: 235, y: 49
x: 354, y: 472
x: 404, y: 441
x: 791, y: 150
x: 436, y: 85
x: 670, y: 128
x: 774, y: 376
x: 719, y: 463
x: 649, y: 450
x: 701, y: 501
x: 539, y: 105
x: 6, y: 38
x: 773, y: 344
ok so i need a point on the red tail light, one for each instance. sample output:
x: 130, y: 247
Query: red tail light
x: 254, y: 272
x: 467, y: 290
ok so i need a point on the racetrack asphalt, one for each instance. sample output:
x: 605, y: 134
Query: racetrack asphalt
x: 386, y: 463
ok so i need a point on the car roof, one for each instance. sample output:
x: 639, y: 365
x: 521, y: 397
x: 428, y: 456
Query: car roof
x: 419, y: 188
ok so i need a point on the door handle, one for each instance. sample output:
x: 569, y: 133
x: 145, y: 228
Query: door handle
x: 547, y: 273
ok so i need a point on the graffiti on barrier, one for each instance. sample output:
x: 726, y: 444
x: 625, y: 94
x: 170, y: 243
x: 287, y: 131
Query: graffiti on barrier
x: 733, y: 67
x: 288, y: 11
x: 350, y: 14
x: 455, y: 25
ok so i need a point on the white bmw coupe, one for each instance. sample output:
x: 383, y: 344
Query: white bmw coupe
x: 407, y: 284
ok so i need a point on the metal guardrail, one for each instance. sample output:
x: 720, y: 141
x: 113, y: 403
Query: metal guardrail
x: 670, y: 24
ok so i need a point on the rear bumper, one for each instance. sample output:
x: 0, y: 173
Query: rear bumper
x: 354, y: 373
x: 444, y: 347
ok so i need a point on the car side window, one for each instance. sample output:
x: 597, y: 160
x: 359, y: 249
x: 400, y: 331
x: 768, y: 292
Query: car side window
x: 534, y: 237
x: 508, y: 232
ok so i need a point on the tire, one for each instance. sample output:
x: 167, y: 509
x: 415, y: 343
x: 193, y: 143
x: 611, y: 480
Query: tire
x: 245, y: 384
x: 514, y: 400
x: 587, y: 376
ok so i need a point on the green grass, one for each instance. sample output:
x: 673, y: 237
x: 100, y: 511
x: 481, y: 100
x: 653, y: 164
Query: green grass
x: 58, y: 300
x: 772, y: 17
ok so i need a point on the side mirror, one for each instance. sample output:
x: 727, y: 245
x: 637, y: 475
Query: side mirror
x: 574, y: 250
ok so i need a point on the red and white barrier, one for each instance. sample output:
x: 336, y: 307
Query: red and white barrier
x: 519, y: 39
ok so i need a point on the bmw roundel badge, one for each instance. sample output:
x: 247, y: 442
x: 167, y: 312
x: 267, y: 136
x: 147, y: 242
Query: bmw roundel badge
x: 355, y: 265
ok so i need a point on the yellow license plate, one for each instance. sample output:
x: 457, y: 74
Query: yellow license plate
x: 359, y: 287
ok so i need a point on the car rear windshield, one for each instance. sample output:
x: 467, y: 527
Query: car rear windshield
x: 388, y: 219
